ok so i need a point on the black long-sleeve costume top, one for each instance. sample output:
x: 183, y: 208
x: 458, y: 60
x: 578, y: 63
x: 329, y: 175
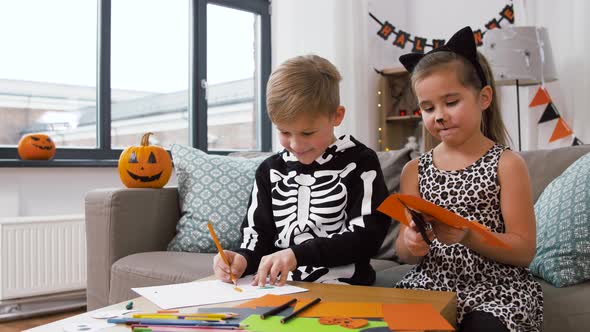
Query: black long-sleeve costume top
x: 325, y: 212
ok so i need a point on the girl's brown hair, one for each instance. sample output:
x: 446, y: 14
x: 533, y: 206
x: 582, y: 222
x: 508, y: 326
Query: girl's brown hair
x: 304, y: 84
x: 492, y: 125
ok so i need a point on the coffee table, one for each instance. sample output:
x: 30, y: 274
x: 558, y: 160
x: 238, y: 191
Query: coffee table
x: 444, y: 302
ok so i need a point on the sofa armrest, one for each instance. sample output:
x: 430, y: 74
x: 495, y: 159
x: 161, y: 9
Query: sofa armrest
x: 121, y: 222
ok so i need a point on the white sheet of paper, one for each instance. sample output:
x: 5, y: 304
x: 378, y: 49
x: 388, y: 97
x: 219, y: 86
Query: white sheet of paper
x: 208, y: 292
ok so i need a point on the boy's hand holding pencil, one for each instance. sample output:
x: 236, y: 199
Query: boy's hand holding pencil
x: 228, y: 266
x: 237, y: 266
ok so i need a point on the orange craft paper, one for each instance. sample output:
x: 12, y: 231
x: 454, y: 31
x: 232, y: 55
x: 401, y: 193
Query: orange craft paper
x: 268, y: 300
x: 415, y: 316
x: 341, y: 309
x: 393, y: 208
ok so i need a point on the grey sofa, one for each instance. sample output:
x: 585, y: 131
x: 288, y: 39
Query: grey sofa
x: 128, y: 230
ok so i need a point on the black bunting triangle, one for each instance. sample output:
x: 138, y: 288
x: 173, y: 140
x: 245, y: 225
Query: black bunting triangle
x: 577, y: 141
x: 549, y: 114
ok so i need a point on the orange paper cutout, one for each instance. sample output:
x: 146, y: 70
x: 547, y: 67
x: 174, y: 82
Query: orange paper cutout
x: 346, y: 322
x: 540, y: 98
x: 561, y: 130
x: 268, y: 300
x: 393, y: 208
x: 341, y: 309
x: 354, y: 323
x: 415, y: 316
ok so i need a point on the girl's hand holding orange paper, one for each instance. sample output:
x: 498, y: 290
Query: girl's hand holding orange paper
x: 414, y: 241
x: 447, y: 234
x: 393, y: 206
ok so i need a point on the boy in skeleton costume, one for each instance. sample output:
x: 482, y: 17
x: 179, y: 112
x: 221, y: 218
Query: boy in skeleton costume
x: 312, y: 214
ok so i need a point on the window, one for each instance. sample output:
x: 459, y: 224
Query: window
x: 47, y: 70
x: 149, y: 71
x: 193, y: 72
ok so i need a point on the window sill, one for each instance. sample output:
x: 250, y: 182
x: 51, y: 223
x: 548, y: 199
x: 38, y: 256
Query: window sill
x: 58, y: 163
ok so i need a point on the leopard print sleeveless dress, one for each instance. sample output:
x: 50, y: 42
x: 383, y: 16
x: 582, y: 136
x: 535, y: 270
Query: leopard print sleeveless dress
x: 509, y: 293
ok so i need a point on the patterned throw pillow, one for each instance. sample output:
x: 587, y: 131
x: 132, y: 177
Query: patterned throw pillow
x: 563, y: 227
x: 211, y: 188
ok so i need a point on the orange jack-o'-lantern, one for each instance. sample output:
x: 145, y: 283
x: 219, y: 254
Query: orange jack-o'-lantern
x: 145, y: 166
x: 36, y: 147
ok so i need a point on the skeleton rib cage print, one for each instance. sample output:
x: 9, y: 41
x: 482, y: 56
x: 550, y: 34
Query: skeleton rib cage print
x: 308, y: 206
x: 293, y: 205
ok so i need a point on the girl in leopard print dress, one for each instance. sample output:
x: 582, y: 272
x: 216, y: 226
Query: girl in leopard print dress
x: 473, y: 174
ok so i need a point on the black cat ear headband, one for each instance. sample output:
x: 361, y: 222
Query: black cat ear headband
x: 461, y: 43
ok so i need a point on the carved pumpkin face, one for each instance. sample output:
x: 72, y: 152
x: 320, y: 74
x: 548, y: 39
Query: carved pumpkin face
x: 36, y: 147
x: 145, y: 166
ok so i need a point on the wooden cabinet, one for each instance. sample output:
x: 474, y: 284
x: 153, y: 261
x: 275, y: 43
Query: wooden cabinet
x: 399, y: 112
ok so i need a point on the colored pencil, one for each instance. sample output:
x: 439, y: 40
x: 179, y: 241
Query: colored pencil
x: 152, y: 321
x: 305, y: 307
x: 160, y: 316
x: 208, y: 316
x: 172, y: 328
x: 184, y: 328
x: 278, y: 309
x: 221, y: 253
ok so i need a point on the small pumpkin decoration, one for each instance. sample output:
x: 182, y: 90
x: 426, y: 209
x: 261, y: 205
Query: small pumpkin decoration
x: 145, y: 166
x: 36, y: 147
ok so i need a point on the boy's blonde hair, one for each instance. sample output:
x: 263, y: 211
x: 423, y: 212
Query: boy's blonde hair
x: 492, y: 125
x: 306, y: 84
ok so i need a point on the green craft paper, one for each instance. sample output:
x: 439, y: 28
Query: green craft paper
x: 273, y: 324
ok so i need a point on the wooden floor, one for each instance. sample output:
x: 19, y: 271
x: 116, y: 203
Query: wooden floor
x: 19, y: 325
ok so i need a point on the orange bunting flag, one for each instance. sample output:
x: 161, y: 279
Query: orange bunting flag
x: 561, y: 130
x: 540, y: 98
x: 550, y: 113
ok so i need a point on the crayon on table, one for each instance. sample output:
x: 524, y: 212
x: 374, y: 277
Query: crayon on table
x: 278, y: 309
x: 156, y: 316
x: 152, y: 321
x: 305, y: 307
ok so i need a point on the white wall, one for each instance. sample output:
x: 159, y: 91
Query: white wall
x: 335, y: 30
x: 52, y: 191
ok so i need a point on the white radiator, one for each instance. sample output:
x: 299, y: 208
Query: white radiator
x: 41, y: 255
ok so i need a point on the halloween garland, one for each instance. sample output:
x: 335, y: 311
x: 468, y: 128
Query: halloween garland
x: 550, y: 113
x: 420, y: 43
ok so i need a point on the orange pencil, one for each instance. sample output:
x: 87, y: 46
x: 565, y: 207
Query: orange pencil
x: 221, y: 253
